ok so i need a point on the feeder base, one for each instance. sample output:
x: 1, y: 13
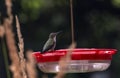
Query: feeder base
x: 76, y: 66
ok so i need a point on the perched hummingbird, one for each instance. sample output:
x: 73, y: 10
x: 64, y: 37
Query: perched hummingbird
x: 50, y: 43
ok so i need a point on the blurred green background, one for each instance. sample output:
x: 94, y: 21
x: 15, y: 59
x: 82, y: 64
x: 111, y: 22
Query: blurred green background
x: 96, y: 25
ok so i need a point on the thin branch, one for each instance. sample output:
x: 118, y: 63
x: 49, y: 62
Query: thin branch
x: 21, y: 48
x: 12, y: 50
x: 31, y: 65
x: 11, y: 42
x: 64, y: 61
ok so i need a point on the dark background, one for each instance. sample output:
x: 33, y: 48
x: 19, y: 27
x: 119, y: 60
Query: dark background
x: 96, y: 25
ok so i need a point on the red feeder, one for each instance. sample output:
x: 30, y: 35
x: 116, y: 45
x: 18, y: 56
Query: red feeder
x: 82, y: 60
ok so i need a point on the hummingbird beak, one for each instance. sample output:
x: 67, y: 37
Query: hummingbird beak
x: 58, y: 32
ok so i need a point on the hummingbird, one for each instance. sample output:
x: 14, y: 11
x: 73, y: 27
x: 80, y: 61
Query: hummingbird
x: 50, y: 43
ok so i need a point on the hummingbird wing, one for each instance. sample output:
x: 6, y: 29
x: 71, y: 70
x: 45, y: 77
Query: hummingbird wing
x: 48, y: 45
